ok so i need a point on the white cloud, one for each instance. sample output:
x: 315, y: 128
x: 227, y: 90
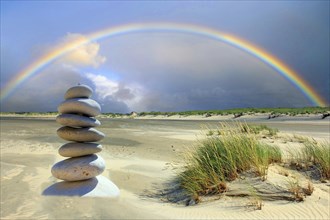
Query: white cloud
x: 103, y: 86
x: 107, y: 89
x: 85, y: 55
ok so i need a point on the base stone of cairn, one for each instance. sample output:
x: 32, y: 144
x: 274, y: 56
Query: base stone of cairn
x: 81, y: 171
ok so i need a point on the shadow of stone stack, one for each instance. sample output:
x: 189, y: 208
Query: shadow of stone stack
x: 81, y: 170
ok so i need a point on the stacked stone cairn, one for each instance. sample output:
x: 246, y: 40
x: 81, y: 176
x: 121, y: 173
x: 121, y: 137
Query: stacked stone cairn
x: 77, y: 114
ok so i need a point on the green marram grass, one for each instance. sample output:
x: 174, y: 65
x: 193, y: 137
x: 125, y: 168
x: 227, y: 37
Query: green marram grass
x: 314, y: 153
x: 247, y: 128
x: 319, y: 154
x: 218, y: 159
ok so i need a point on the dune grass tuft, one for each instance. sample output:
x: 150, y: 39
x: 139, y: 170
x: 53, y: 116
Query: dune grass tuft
x: 257, y: 129
x: 219, y: 159
x: 314, y: 153
x: 319, y: 154
x: 296, y: 190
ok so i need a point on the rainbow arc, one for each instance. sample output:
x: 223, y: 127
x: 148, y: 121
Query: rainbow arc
x: 289, y: 74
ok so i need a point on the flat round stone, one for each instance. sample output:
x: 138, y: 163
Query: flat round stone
x: 82, y: 106
x: 73, y: 120
x: 79, y: 149
x: 80, y: 91
x: 80, y: 134
x: 98, y: 186
x: 79, y: 168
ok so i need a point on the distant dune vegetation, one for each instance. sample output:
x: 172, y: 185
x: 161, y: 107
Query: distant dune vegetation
x: 247, y: 111
x: 238, y: 112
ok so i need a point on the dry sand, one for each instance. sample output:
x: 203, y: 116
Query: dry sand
x: 139, y: 154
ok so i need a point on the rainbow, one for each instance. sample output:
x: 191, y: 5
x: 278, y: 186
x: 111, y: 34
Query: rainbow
x: 259, y: 53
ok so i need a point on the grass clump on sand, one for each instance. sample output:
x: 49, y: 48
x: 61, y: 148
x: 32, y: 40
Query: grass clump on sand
x: 257, y: 129
x: 219, y: 159
x: 247, y: 128
x: 313, y: 153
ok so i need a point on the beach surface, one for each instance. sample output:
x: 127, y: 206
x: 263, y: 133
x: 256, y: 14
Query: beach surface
x: 141, y: 157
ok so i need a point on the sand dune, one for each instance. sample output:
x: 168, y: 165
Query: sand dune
x: 139, y: 154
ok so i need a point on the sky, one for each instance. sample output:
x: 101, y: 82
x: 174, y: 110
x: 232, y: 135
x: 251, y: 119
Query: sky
x: 165, y: 70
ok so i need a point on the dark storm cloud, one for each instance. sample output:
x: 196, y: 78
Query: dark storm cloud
x: 182, y: 72
x: 9, y: 65
x: 124, y: 93
x: 46, y: 91
x: 297, y: 32
x: 112, y: 105
x: 43, y: 92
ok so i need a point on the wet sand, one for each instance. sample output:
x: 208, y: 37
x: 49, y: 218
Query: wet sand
x: 138, y: 154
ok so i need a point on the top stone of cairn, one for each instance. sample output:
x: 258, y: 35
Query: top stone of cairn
x: 79, y: 91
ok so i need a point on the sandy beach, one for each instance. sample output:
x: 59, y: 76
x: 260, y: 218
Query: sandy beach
x: 139, y: 156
